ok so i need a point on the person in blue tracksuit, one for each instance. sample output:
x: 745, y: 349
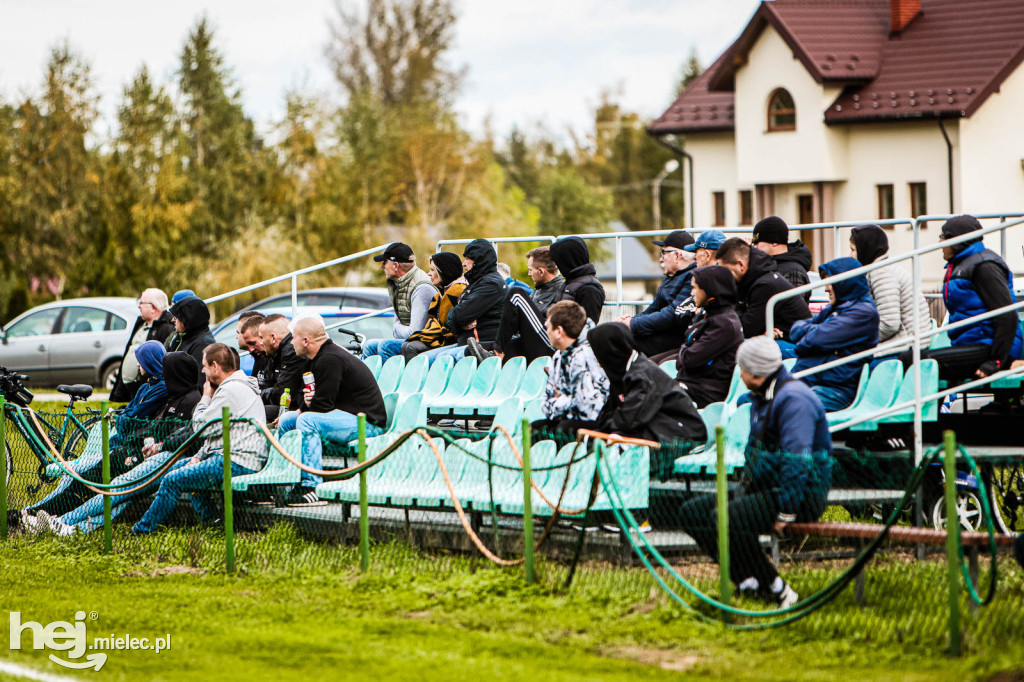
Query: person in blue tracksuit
x: 848, y: 325
x: 787, y: 476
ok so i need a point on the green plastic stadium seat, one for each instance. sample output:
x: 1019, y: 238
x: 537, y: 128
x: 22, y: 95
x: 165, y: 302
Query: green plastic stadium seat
x: 391, y: 374
x: 278, y: 470
x: 482, y: 384
x: 437, y: 376
x: 929, y: 384
x: 630, y: 468
x: 880, y: 392
x: 374, y: 363
x: 413, y: 377
x: 737, y: 432
x: 669, y: 366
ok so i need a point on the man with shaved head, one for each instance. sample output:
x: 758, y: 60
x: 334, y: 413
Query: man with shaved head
x: 284, y: 368
x: 343, y: 386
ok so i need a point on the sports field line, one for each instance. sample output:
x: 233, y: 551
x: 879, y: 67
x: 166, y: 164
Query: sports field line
x: 30, y: 673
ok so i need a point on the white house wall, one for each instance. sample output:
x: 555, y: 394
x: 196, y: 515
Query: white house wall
x: 810, y: 153
x: 714, y: 170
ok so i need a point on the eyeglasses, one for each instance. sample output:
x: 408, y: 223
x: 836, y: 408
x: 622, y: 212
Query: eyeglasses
x: 665, y: 252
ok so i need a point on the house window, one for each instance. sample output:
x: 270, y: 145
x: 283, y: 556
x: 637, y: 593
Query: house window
x: 746, y: 207
x: 781, y: 111
x: 918, y: 199
x: 718, y: 199
x: 885, y: 203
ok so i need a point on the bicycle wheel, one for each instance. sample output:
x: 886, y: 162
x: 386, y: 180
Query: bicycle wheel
x: 1008, y: 496
x: 78, y: 438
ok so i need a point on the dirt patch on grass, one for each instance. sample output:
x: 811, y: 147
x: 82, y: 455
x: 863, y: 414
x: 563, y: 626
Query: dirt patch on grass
x: 419, y: 614
x: 666, y: 659
x: 164, y: 570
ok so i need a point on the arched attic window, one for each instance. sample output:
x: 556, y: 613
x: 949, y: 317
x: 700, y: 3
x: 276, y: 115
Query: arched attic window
x: 781, y: 111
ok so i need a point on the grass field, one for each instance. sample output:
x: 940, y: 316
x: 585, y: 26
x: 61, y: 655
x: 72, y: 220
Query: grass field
x: 301, y: 610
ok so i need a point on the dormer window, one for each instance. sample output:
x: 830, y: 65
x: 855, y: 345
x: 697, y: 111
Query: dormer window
x: 781, y: 111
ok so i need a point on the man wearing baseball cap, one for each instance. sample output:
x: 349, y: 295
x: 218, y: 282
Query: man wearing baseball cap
x: 793, y: 259
x: 705, y: 246
x: 655, y: 330
x: 411, y: 293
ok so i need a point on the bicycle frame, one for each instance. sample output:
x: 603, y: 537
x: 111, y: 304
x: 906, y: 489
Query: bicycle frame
x: 36, y: 441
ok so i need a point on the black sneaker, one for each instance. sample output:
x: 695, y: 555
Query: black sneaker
x: 474, y: 348
x: 302, y: 496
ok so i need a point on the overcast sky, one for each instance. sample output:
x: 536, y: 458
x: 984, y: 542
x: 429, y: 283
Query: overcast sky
x: 529, y: 61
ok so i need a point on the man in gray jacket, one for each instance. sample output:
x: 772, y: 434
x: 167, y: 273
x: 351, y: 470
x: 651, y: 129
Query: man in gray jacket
x: 226, y: 386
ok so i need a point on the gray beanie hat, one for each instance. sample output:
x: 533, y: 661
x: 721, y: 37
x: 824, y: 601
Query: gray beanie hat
x: 759, y: 356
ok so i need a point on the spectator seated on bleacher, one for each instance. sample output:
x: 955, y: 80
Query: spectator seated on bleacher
x: 757, y: 280
x: 655, y: 330
x: 787, y: 476
x: 848, y: 325
x: 343, y: 387
x: 643, y: 401
x: 170, y: 427
x: 977, y: 280
x: 248, y: 339
x: 792, y: 259
x: 892, y: 289
x: 706, y: 361
x: 506, y: 273
x: 577, y: 387
x: 226, y: 386
x: 411, y: 292
x: 283, y: 368
x: 446, y: 276
x: 192, y: 324
x: 154, y: 323
x: 572, y: 257
x: 521, y: 332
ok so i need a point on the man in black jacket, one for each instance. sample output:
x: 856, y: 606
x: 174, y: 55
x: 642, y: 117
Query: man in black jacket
x: 793, y: 259
x: 284, y: 368
x: 478, y: 312
x: 757, y: 280
x: 192, y: 323
x: 643, y: 401
x: 343, y: 386
x: 154, y: 323
x: 707, y: 358
x: 521, y: 332
x: 572, y: 257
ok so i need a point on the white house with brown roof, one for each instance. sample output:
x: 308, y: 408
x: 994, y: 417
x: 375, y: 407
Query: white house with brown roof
x: 840, y: 110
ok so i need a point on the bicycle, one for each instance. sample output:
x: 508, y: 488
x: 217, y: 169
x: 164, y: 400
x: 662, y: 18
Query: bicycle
x: 68, y: 435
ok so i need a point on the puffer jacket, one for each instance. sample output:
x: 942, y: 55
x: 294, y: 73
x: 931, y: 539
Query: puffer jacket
x: 789, y: 448
x: 963, y: 301
x: 848, y: 327
x: 572, y: 257
x: 794, y: 264
x: 659, y: 316
x: 434, y: 333
x: 707, y: 359
x: 759, y: 284
x: 482, y: 301
x: 577, y: 387
x: 544, y: 295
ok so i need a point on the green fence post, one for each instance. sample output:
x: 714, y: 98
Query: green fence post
x: 3, y: 467
x: 108, y: 535
x: 527, y: 505
x: 229, y: 512
x: 952, y: 543
x: 722, y: 490
x: 364, y: 521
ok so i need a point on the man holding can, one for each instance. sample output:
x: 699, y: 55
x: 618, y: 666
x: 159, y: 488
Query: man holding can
x: 337, y: 387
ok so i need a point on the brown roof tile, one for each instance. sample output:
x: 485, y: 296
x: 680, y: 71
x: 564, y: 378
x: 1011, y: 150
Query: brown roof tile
x: 944, y: 63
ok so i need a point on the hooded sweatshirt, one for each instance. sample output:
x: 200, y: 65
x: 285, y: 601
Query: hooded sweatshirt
x: 707, y: 359
x: 482, y: 301
x: 892, y: 288
x: 240, y: 394
x: 194, y: 314
x: 760, y: 283
x: 643, y: 401
x: 845, y: 328
x: 151, y: 396
x: 794, y: 264
x: 182, y: 396
x: 572, y: 257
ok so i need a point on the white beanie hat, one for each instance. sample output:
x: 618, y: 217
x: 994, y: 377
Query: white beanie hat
x: 759, y: 356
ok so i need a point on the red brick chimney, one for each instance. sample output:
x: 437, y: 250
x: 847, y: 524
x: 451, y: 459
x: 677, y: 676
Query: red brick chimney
x: 902, y: 11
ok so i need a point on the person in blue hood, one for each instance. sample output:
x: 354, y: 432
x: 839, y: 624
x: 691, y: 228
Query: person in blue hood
x: 848, y: 325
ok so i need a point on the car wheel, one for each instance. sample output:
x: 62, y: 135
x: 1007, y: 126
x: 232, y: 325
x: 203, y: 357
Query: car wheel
x: 109, y: 374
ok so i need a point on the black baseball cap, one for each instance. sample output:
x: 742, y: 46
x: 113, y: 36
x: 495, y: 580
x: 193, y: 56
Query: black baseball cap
x: 678, y: 239
x: 397, y: 252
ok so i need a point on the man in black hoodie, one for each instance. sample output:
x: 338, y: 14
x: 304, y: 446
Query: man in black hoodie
x: 572, y: 257
x: 707, y: 359
x: 793, y: 259
x: 643, y: 401
x: 478, y: 312
x: 192, y: 322
x: 757, y: 280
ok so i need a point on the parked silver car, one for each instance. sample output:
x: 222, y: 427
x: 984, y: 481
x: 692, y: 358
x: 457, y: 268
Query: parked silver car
x: 66, y: 342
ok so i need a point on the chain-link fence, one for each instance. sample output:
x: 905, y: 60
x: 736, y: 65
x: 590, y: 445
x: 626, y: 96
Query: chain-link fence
x: 865, y: 554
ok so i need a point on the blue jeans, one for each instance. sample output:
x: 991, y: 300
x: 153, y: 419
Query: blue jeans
x: 186, y: 477
x: 334, y: 426
x: 89, y: 515
x: 832, y: 398
x: 385, y: 348
x: 457, y: 352
x: 86, y: 466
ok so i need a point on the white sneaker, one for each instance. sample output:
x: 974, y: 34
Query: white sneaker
x: 786, y: 597
x: 60, y: 528
x: 41, y: 522
x: 33, y: 524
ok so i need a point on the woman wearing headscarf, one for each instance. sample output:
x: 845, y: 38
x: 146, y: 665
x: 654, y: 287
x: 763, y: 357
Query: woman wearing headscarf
x: 446, y: 275
x: 643, y: 401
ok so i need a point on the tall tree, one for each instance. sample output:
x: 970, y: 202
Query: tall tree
x: 689, y: 71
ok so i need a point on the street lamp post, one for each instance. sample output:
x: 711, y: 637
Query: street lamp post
x: 670, y: 167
